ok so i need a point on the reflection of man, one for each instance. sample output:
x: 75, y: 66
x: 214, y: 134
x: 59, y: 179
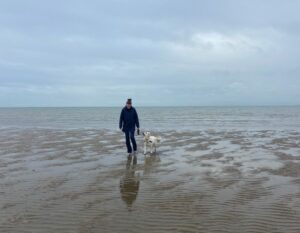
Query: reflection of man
x: 128, y: 120
x: 129, y: 184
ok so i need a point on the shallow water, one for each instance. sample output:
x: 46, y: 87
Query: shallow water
x: 80, y: 180
x: 156, y: 118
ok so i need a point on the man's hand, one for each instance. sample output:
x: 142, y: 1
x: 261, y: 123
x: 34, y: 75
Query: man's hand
x: 138, y: 131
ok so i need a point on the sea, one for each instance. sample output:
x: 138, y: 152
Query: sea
x: 155, y: 118
x: 216, y: 170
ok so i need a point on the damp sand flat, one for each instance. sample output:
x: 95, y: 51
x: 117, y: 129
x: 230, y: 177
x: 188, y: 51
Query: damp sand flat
x: 199, y: 181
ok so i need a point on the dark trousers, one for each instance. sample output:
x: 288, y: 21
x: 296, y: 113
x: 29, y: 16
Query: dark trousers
x: 129, y: 135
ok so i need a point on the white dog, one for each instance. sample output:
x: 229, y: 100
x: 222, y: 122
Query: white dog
x: 151, y: 141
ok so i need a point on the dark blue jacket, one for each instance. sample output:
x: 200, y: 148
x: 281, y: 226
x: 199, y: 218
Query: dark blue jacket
x: 129, y: 119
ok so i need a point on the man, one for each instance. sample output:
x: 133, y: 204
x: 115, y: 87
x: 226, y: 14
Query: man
x: 128, y: 121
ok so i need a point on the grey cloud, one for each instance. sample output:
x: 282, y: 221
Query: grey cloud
x: 192, y: 52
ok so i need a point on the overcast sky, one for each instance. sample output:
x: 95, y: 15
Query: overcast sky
x: 164, y: 52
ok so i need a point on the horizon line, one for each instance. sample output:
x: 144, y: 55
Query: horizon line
x: 152, y: 106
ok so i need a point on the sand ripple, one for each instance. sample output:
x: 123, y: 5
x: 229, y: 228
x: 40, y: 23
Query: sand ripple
x: 202, y: 181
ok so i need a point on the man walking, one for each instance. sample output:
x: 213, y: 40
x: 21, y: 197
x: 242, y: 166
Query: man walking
x: 128, y: 121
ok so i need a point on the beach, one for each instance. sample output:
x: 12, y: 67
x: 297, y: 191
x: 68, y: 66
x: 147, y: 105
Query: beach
x: 234, y: 172
x: 212, y: 87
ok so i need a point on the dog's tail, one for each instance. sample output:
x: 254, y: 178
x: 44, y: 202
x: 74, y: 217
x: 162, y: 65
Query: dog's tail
x: 158, y: 139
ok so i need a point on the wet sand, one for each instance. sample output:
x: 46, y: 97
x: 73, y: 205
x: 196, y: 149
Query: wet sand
x: 198, y: 181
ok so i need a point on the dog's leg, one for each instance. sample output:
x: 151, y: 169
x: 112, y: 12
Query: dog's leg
x: 151, y: 148
x: 155, y: 148
x: 145, y: 148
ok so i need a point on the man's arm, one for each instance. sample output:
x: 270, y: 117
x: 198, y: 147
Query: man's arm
x: 121, y: 119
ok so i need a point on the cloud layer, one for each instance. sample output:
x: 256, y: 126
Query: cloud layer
x: 98, y: 53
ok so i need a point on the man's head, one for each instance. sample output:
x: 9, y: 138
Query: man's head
x: 128, y: 103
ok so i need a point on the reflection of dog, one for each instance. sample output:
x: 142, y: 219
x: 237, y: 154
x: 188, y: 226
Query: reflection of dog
x: 151, y: 164
x: 151, y: 141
